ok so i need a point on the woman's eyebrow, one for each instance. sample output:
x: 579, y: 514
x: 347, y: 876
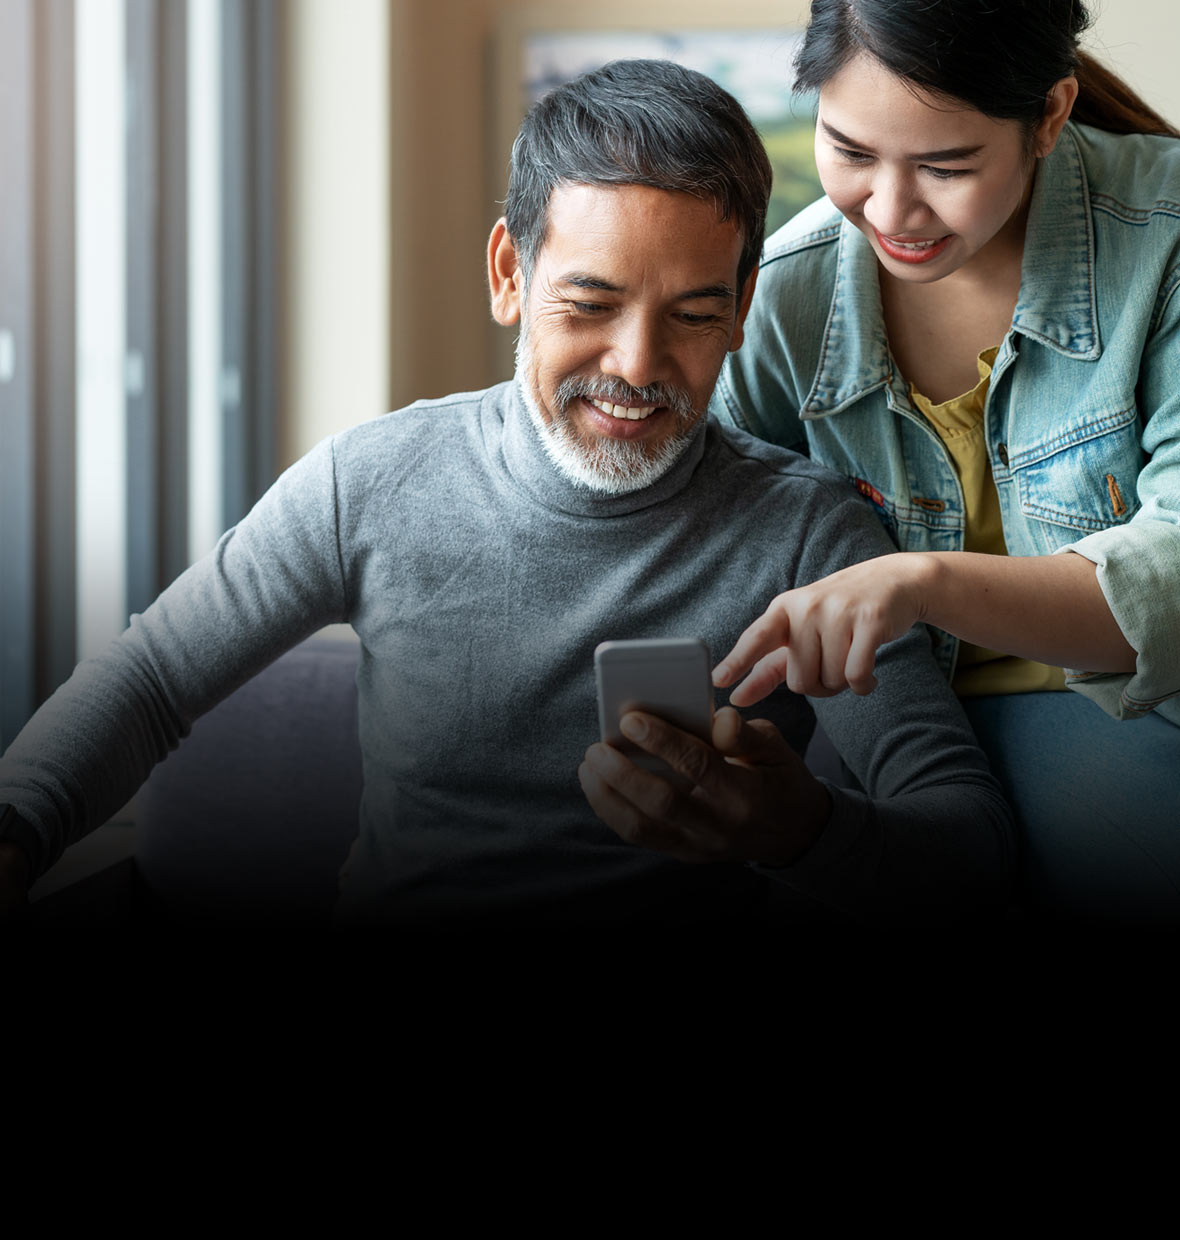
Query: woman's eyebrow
x: 948, y: 153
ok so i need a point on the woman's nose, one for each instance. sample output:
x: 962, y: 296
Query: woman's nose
x: 894, y: 207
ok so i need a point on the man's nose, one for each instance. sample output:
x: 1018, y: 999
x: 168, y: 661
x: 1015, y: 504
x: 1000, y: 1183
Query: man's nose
x: 637, y: 351
x: 894, y: 207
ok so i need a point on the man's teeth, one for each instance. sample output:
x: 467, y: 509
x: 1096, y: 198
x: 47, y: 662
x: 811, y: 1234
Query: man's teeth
x: 633, y: 414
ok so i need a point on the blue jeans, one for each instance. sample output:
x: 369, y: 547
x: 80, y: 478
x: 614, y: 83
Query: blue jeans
x: 1097, y: 804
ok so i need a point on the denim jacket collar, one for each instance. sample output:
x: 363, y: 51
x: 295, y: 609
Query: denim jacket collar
x: 1056, y: 304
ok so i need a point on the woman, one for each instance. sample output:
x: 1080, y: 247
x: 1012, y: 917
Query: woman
x: 980, y: 326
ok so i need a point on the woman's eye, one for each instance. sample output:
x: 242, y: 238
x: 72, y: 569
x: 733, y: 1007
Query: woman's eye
x: 853, y: 157
x: 945, y: 174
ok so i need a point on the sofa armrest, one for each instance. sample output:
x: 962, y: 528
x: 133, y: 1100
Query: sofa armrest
x: 251, y: 818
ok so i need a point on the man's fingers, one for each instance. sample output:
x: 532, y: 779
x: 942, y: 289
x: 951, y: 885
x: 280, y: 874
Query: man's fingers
x: 648, y: 796
x: 685, y: 754
x: 753, y: 797
x: 756, y: 741
x: 641, y: 808
x: 620, y: 814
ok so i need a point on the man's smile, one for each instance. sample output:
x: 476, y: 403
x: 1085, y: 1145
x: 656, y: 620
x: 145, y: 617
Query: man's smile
x: 607, y: 419
x: 631, y: 412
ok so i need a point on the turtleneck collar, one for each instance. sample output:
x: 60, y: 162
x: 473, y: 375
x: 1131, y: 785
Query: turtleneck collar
x: 516, y: 442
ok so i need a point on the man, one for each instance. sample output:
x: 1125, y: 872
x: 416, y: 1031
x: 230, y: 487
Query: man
x: 482, y: 545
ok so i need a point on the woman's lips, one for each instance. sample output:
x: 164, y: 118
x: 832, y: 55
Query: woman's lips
x: 912, y: 249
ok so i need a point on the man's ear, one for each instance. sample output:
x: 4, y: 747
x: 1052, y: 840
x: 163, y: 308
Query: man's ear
x: 743, y: 308
x: 505, y: 279
x: 1058, y: 105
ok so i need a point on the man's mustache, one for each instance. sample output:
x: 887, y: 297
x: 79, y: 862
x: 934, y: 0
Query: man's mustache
x: 613, y: 390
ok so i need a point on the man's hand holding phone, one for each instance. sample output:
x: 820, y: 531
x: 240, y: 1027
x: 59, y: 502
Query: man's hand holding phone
x: 743, y: 794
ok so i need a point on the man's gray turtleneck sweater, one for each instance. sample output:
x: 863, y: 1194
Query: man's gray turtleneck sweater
x: 479, y: 580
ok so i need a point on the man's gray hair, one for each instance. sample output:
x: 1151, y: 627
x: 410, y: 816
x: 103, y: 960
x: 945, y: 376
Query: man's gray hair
x: 639, y: 122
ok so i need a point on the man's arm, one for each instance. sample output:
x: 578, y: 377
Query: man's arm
x: 930, y: 837
x: 272, y: 580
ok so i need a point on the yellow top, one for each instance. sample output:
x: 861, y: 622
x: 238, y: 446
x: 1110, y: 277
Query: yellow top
x: 959, y: 423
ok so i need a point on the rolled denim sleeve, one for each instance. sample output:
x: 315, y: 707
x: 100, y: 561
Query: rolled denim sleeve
x: 1139, y: 562
x: 1139, y: 572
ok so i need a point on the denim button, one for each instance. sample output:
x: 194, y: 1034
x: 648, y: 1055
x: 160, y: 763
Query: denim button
x: 1002, y: 453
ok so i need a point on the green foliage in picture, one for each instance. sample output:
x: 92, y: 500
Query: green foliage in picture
x: 754, y: 64
x: 790, y: 145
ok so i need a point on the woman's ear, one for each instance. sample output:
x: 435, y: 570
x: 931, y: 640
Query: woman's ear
x: 1058, y: 105
x: 505, y: 279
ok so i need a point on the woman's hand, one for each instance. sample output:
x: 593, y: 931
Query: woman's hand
x: 823, y: 638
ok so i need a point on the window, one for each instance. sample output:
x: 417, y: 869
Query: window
x: 137, y: 304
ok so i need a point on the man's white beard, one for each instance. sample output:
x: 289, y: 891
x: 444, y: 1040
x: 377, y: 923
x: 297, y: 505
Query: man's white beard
x: 613, y: 466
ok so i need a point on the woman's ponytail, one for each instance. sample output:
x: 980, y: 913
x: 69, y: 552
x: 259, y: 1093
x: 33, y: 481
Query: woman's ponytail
x: 1107, y: 102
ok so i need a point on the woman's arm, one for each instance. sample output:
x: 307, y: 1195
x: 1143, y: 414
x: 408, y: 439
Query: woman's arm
x: 824, y: 637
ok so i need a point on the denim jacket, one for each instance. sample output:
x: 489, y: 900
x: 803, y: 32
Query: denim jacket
x: 1082, y: 419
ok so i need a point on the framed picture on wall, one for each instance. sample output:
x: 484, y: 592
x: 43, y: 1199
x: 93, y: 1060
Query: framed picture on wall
x: 747, y: 46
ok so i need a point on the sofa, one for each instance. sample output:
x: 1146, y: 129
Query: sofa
x: 250, y: 818
x: 248, y: 821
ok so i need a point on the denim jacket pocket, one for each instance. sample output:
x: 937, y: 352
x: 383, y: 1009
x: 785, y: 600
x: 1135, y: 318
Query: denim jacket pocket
x: 1083, y: 479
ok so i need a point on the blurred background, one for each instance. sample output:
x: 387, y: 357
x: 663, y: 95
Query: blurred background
x: 229, y: 228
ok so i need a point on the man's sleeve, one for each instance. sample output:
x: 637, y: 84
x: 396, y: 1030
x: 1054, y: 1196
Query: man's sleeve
x: 272, y: 580
x: 931, y: 834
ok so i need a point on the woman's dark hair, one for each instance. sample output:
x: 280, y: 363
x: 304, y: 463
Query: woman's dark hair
x: 639, y: 122
x: 1001, y: 57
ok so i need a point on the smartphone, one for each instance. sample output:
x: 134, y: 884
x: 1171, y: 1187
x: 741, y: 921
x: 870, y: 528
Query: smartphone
x: 665, y: 676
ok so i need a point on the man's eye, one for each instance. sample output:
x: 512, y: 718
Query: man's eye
x: 686, y: 316
x: 588, y: 307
